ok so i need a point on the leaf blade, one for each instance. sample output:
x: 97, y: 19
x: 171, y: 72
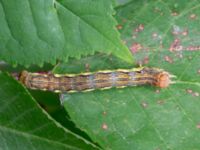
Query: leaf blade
x: 50, y: 30
x: 25, y: 125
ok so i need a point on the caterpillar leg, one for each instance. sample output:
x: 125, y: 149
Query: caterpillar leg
x: 63, y: 97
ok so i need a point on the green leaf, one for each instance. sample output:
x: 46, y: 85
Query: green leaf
x: 146, y: 118
x: 34, y: 32
x: 122, y: 2
x: 24, y: 125
x: 163, y: 35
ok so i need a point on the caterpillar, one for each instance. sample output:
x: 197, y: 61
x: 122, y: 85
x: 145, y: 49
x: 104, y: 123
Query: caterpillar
x: 89, y: 81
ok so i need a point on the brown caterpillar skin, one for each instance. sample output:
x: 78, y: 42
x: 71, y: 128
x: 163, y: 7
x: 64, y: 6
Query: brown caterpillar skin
x: 97, y: 80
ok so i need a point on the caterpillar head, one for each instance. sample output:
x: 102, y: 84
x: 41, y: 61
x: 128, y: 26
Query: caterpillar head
x: 163, y: 80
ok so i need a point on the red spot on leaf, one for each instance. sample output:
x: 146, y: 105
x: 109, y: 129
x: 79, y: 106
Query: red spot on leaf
x: 134, y: 36
x: 176, y: 30
x: 160, y: 102
x: 104, y: 113
x: 168, y: 59
x: 157, y: 91
x: 175, y: 46
x: 198, y: 126
x: 135, y: 47
x: 139, y: 28
x: 196, y: 94
x: 119, y: 27
x: 189, y: 91
x: 154, y: 35
x: 198, y: 71
x: 174, y: 14
x: 104, y: 126
x: 193, y: 48
x: 146, y: 60
x: 190, y: 57
x: 193, y: 16
x: 180, y: 55
x: 144, y: 104
x: 185, y: 33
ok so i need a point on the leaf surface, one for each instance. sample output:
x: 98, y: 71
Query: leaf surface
x: 24, y: 125
x: 160, y: 34
x: 35, y: 32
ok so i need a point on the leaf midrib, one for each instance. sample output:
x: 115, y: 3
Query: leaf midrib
x: 187, y: 82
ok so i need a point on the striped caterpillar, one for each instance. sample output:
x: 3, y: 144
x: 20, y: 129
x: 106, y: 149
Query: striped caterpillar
x: 95, y: 80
